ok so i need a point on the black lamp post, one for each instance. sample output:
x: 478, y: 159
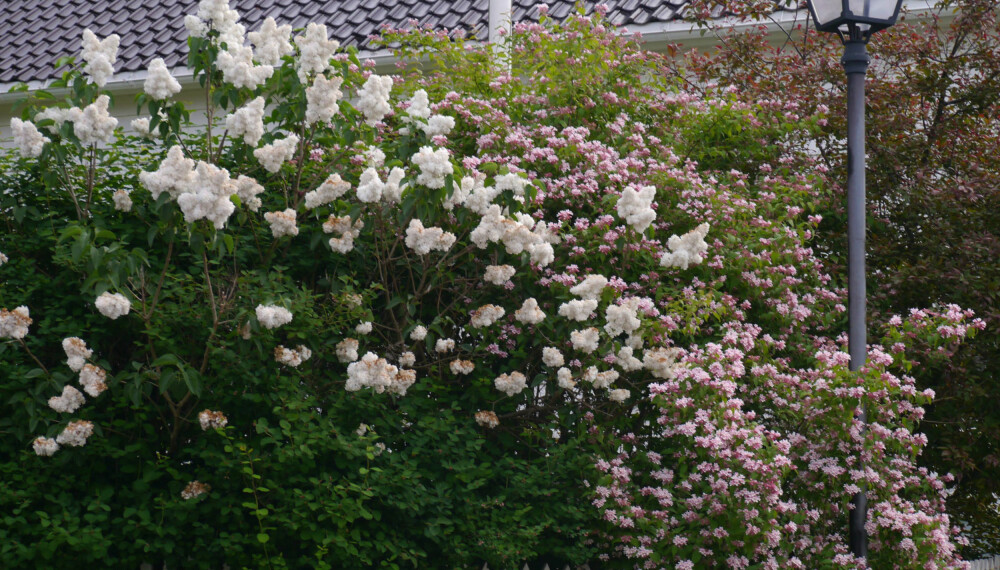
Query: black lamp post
x: 855, y: 21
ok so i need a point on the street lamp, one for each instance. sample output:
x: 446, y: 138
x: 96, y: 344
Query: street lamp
x: 855, y: 21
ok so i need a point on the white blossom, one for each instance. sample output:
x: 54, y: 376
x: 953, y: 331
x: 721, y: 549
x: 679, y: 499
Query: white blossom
x: 407, y: 359
x: 636, y: 207
x: 159, y: 83
x: 393, y: 191
x: 236, y: 64
x: 419, y: 105
x: 59, y: 116
x: 511, y: 384
x: 512, y: 182
x: 585, y: 340
x: 322, y: 99
x: 364, y: 328
x: 418, y: 333
x: 271, y: 42
x: 374, y: 157
x: 628, y: 362
x: 600, y: 380
x: 686, y: 250
x: 44, y: 446
x: 14, y: 324
x: 195, y: 26
x: 434, y: 165
x: 95, y: 125
x: 174, y: 174
x: 93, y: 379
x: 438, y: 125
x: 3, y: 258
x: 487, y: 419
x: 347, y: 350
x: 373, y: 98
x: 591, y: 287
x: 529, y: 313
x: 67, y: 403
x: 271, y: 156
x: 370, y: 186
x: 552, y: 357
x: 461, y: 366
x: 113, y: 305
x: 423, y: 240
x: 76, y: 433
x: 661, y: 362
x: 315, y: 51
x: 206, y: 197
x: 618, y: 395
x: 292, y: 357
x: 76, y: 352
x: 273, y: 316
x: 485, y: 316
x: 247, y: 121
x: 498, y: 274
x: 248, y: 190
x: 444, y: 345
x: 332, y: 188
x: 100, y: 56
x: 371, y: 372
x: 282, y: 223
x: 195, y: 489
x: 141, y: 126
x: 27, y: 138
x: 577, y: 309
x: 565, y: 378
x: 123, y: 203
x: 210, y: 419
x: 342, y: 226
x: 621, y: 318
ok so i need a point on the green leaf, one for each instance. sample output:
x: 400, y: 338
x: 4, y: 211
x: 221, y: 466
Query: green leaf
x: 263, y: 538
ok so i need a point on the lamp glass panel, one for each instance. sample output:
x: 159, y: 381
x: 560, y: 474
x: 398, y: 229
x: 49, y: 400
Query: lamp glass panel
x: 883, y: 9
x: 827, y: 10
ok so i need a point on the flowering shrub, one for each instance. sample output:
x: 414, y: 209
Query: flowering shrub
x: 436, y: 300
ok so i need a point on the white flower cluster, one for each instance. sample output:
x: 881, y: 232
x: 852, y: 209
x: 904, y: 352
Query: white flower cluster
x: 347, y: 350
x: 75, y: 433
x: 271, y: 156
x: 100, y: 56
x: 70, y: 400
x: 499, y: 274
x: 627, y: 361
x: 373, y: 98
x: 14, y: 324
x: 419, y: 112
x: 92, y: 379
x: 45, y: 447
x: 636, y: 207
x: 418, y: 333
x: 408, y: 359
x: 247, y: 121
x: 661, y: 362
x: 3, y: 258
x: 282, y: 223
x: 95, y: 124
x: 122, y: 201
x: 599, y: 379
x: 27, y: 138
x: 195, y: 489
x: 271, y: 42
x: 516, y: 235
x: 393, y: 191
x: 512, y: 182
x: 444, y: 345
x: 434, y: 165
x: 59, y: 116
x: 315, y: 51
x: 112, y: 305
x: 332, y: 188
x: 210, y: 419
x: 487, y: 419
x: 686, y: 250
x: 376, y: 373
x: 238, y: 69
x: 585, y: 340
x: 423, y: 240
x: 370, y: 186
x: 341, y: 225
x: 174, y: 174
x: 618, y: 395
x: 77, y: 352
x: 292, y: 357
x: 529, y: 313
x: 438, y: 125
x: 486, y: 315
x: 363, y: 328
x: 141, y: 126
x: 565, y: 378
x: 591, y: 287
x: 202, y: 190
x: 248, y: 190
x: 322, y: 99
x: 374, y: 157
x: 159, y: 83
x: 461, y: 366
x: 552, y: 357
x: 511, y: 384
x: 273, y: 316
x: 577, y: 309
x: 621, y: 318
x: 419, y: 105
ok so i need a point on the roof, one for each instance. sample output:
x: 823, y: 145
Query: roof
x: 37, y: 33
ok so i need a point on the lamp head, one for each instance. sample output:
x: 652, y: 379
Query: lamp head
x: 854, y: 20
